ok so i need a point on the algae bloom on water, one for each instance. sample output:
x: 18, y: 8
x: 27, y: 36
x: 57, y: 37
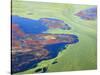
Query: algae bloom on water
x: 30, y: 45
x: 88, y: 14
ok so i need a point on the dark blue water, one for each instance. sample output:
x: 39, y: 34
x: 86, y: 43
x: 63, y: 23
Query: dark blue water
x: 53, y: 50
x: 29, y: 26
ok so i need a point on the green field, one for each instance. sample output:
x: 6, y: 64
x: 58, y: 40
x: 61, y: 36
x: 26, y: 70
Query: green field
x: 79, y: 56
